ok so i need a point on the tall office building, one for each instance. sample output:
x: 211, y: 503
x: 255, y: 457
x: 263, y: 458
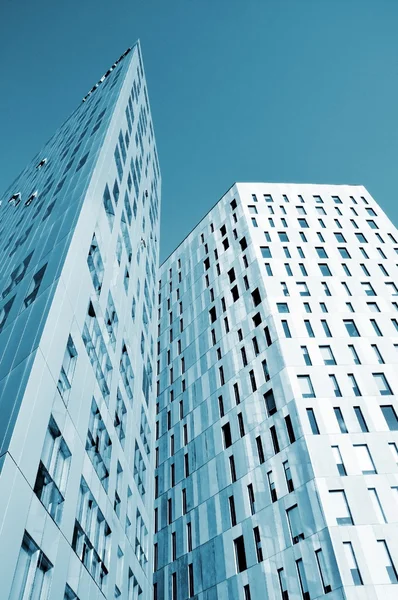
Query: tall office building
x: 277, y: 442
x: 79, y: 232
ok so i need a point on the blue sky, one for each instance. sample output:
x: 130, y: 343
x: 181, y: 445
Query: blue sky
x: 240, y: 90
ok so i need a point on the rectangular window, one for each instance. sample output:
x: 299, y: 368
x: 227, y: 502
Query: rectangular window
x: 274, y: 438
x: 374, y: 498
x: 240, y: 554
x: 266, y: 252
x: 289, y: 429
x: 324, y: 269
x: 283, y: 584
x: 312, y: 421
x: 382, y: 384
x: 232, y: 510
x: 302, y: 579
x: 288, y: 476
x: 387, y: 561
x: 286, y: 329
x: 32, y: 573
x: 340, y: 507
x: 52, y: 475
x: 361, y: 420
x: 339, y: 461
x: 260, y: 450
x: 306, y: 388
x: 306, y: 356
x: 327, y: 355
x: 352, y: 564
x: 390, y: 416
x: 364, y: 459
x: 327, y: 588
x: 295, y: 524
x: 351, y: 328
x: 272, y: 488
x: 270, y: 404
x: 309, y: 329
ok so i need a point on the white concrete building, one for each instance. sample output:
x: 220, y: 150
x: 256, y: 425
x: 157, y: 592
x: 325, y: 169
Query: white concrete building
x: 277, y: 441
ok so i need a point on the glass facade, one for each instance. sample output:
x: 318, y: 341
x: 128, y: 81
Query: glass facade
x: 79, y: 234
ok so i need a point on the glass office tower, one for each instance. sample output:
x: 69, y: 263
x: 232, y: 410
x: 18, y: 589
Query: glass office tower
x: 276, y: 426
x: 79, y: 231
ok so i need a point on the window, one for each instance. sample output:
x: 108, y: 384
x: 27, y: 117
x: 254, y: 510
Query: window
x: 289, y: 429
x: 250, y: 492
x: 336, y: 388
x: 344, y: 253
x: 309, y: 329
x: 286, y: 329
x: 240, y: 554
x: 282, y: 307
x: 288, y: 476
x: 324, y: 269
x: 339, y: 461
x: 95, y: 264
x: 306, y: 388
x: 352, y: 564
x: 364, y: 458
x: 376, y: 327
x: 33, y: 288
x: 283, y: 584
x: 303, y: 269
x: 285, y: 290
x: 312, y: 421
x: 260, y: 450
x: 321, y: 252
x: 67, y: 370
x: 354, y: 354
x: 52, y: 475
x: 373, y: 307
x: 382, y: 384
x: 327, y: 588
x: 302, y: 223
x: 302, y: 288
x: 252, y: 209
x: 295, y: 525
x: 368, y: 289
x: 347, y: 289
x: 390, y: 416
x: 32, y: 573
x: 191, y: 586
x: 392, y: 288
x: 351, y: 328
x: 235, y: 293
x: 246, y: 590
x: 288, y: 270
x: 323, y: 307
x: 354, y: 386
x: 268, y: 269
x: 340, y: 237
x: 340, y: 419
x: 256, y: 297
x: 270, y: 403
x: 340, y: 507
x: 325, y: 327
x: 327, y: 355
x: 283, y: 236
x: 257, y: 541
x: 306, y: 356
x: 226, y: 431
x: 302, y: 579
x: 268, y: 198
x: 387, y: 561
x: 365, y: 270
x: 266, y: 252
x: 232, y: 510
x: 267, y: 336
x: 300, y: 252
x: 274, y: 439
x: 325, y: 288
x: 374, y: 498
x: 272, y: 488
x: 361, y: 419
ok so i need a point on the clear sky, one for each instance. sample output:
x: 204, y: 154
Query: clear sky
x: 240, y: 90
